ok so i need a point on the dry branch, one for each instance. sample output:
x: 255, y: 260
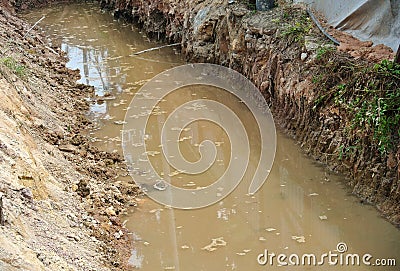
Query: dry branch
x: 155, y: 48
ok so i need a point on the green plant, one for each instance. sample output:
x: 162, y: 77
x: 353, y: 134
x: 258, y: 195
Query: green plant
x: 388, y: 68
x: 347, y: 151
x: 381, y: 115
x: 369, y: 94
x: 14, y: 66
x: 316, y: 78
x: 286, y: 15
x: 297, y: 31
x: 323, y: 51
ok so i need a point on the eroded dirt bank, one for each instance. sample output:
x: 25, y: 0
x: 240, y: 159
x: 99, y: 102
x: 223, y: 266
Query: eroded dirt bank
x: 60, y: 200
x: 328, y: 100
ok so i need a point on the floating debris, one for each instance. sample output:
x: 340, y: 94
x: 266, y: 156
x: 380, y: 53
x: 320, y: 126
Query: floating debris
x: 176, y: 172
x: 299, y: 239
x: 155, y: 211
x: 159, y: 113
x: 244, y: 252
x: 190, y: 184
x: 173, y: 174
x: 120, y: 122
x: 114, y: 58
x: 142, y: 82
x: 108, y: 117
x: 161, y: 185
x: 152, y: 153
x: 143, y: 160
x: 137, y: 145
x: 270, y: 229
x: 215, y: 243
x: 184, y: 138
x: 180, y: 129
x: 195, y: 106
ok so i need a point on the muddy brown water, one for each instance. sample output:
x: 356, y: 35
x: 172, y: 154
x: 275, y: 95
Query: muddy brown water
x: 301, y: 209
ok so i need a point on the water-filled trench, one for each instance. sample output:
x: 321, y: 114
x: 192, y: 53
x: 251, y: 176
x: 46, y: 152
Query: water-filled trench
x: 303, y: 209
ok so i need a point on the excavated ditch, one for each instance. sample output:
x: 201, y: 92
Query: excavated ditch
x: 70, y: 177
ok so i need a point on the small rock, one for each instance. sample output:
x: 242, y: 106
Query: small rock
x: 73, y: 237
x: 26, y: 176
x: 248, y: 37
x: 303, y: 56
x: 83, y: 188
x: 74, y: 187
x: 160, y: 185
x: 110, y: 211
x: 311, y: 43
x: 115, y: 220
x: 240, y: 11
x: 27, y: 193
x: 118, y: 234
x: 66, y: 148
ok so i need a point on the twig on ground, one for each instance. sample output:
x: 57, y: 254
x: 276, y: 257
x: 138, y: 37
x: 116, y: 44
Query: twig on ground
x: 33, y: 26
